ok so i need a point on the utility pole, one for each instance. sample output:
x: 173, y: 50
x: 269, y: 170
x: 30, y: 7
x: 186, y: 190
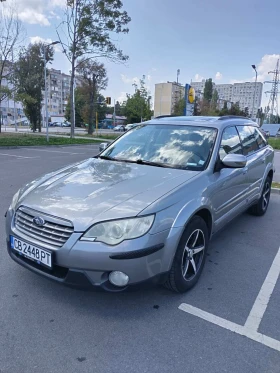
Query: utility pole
x: 96, y: 121
x: 114, y: 114
x: 273, y: 100
x: 16, y: 128
x: 74, y: 117
x: 143, y: 79
x: 45, y: 76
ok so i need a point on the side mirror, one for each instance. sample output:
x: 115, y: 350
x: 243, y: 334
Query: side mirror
x: 234, y: 161
x: 103, y: 146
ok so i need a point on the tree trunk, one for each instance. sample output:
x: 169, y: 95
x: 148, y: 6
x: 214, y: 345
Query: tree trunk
x: 72, y: 132
x: 91, y: 112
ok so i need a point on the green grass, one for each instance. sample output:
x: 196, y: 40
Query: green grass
x: 99, y: 136
x: 275, y: 143
x: 94, y: 135
x: 275, y: 185
x: 35, y: 140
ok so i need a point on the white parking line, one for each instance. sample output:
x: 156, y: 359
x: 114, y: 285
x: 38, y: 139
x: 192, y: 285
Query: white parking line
x: 250, y: 329
x: 53, y: 151
x: 17, y: 156
x: 255, y: 317
x: 236, y: 328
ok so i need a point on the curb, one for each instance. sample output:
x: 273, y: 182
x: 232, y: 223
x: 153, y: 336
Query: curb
x: 53, y: 146
x: 275, y: 190
x: 46, y: 146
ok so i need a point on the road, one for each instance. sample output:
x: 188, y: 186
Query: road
x: 45, y: 327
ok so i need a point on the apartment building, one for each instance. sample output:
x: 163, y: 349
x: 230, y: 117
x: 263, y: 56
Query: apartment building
x: 237, y: 92
x: 166, y: 96
x: 244, y: 94
x: 199, y: 87
x: 10, y: 110
x: 58, y: 92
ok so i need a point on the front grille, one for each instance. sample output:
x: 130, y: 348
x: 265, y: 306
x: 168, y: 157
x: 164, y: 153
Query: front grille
x: 54, y: 233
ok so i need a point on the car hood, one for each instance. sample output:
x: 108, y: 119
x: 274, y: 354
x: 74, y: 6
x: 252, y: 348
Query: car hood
x: 98, y: 189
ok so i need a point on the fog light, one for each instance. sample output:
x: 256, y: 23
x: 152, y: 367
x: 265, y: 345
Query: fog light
x: 118, y: 278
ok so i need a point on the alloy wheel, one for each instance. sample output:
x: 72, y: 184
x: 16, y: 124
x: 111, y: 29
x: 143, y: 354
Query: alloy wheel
x: 193, y: 254
x: 266, y: 195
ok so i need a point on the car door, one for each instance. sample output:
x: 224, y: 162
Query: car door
x: 229, y: 197
x: 254, y: 149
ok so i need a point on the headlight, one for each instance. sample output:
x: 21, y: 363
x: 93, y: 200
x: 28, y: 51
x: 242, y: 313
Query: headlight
x: 14, y: 200
x: 115, y: 231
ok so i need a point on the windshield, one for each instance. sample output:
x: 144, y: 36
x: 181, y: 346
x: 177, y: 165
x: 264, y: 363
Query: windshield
x: 187, y: 147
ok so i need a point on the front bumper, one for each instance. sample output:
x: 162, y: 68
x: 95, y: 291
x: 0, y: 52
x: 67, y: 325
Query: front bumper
x: 82, y: 279
x: 82, y: 264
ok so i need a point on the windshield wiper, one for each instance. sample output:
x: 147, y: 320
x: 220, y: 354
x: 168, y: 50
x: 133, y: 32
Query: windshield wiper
x: 140, y: 161
x: 149, y: 163
x: 107, y: 158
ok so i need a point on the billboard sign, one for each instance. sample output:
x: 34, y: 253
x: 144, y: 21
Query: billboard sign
x: 189, y: 99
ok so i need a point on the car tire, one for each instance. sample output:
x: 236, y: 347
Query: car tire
x: 259, y: 209
x: 188, y: 262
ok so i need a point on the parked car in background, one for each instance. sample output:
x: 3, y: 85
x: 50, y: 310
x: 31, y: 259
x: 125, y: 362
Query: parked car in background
x: 265, y: 133
x: 119, y: 128
x: 272, y: 128
x: 129, y: 126
x: 145, y: 208
x: 66, y: 124
x: 278, y: 133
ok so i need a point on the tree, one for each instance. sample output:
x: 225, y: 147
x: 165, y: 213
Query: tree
x: 29, y: 81
x: 208, y: 90
x: 179, y: 107
x: 118, y: 109
x: 137, y: 107
x: 80, y: 102
x: 90, y: 27
x: 82, y: 107
x: 214, y: 100
x: 196, y: 108
x: 204, y: 107
x: 11, y: 32
x: 261, y: 115
x: 246, y: 112
x: 93, y: 76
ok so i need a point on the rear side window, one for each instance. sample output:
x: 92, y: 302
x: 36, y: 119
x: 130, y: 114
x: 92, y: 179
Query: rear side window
x: 230, y: 143
x: 248, y: 140
x: 258, y: 137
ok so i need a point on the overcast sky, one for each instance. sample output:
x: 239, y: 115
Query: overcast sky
x: 218, y: 38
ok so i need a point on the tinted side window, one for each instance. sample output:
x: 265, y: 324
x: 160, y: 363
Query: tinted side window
x: 230, y: 143
x: 248, y: 140
x: 258, y: 137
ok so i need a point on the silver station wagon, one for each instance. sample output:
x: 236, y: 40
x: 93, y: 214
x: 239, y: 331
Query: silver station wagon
x: 145, y: 208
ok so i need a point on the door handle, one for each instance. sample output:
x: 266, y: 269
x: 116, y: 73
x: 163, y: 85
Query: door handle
x: 245, y: 170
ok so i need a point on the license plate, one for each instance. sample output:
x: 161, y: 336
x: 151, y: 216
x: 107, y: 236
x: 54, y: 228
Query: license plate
x: 40, y: 256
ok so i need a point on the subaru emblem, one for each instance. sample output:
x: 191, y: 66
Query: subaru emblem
x: 39, y: 221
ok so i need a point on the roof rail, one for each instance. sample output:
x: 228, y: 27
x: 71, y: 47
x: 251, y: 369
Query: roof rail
x: 233, y: 117
x: 166, y: 116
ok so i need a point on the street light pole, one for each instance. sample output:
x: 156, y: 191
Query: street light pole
x: 114, y: 114
x: 46, y: 97
x: 45, y: 77
x: 254, y: 96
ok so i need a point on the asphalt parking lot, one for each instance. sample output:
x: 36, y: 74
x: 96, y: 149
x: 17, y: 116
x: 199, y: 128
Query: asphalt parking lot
x: 45, y: 327
x: 277, y: 165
